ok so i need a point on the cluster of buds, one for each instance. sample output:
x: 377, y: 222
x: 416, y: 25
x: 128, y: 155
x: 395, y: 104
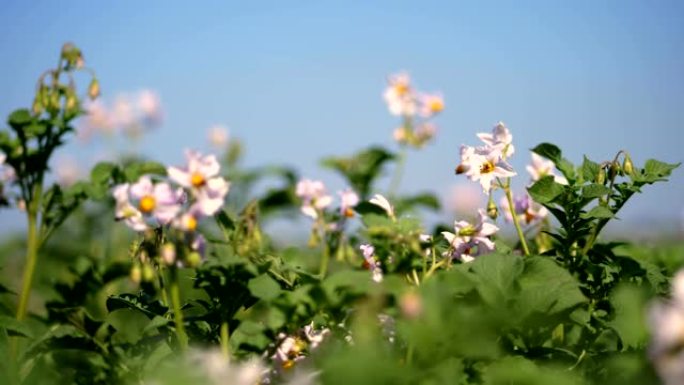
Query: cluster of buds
x: 130, y: 114
x: 486, y: 163
x: 291, y: 349
x: 416, y: 109
x: 52, y: 96
x: 469, y: 241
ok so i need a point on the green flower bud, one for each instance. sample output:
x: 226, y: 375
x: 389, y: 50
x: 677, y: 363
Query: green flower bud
x: 168, y: 253
x: 147, y: 273
x: 492, y: 210
x: 614, y: 170
x: 37, y: 107
x: 136, y: 274
x: 627, y: 165
x: 94, y: 89
x: 601, y: 176
x: 193, y: 259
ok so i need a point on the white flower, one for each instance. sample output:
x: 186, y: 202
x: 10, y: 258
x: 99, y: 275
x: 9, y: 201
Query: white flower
x: 315, y: 337
x: 202, y: 177
x: 149, y: 105
x: 469, y: 241
x: 666, y: 320
x: 125, y: 210
x: 526, y: 209
x: 541, y: 167
x: 431, y: 104
x: 371, y: 262
x: 218, y: 136
x: 314, y: 196
x: 484, y: 164
x: 382, y: 202
x: 399, y: 95
x: 221, y: 371
x: 97, y: 119
x: 157, y: 200
x: 348, y: 200
x: 500, y: 138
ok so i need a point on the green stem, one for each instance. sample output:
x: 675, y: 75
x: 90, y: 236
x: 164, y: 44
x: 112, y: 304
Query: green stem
x: 225, y: 347
x: 31, y: 252
x: 324, y: 261
x: 398, y: 172
x: 177, y: 312
x: 516, y: 222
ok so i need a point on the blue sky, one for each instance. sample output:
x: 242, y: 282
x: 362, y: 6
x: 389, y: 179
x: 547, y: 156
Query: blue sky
x: 301, y: 80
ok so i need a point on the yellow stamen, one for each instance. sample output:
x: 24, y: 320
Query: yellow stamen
x: 197, y: 179
x: 436, y: 105
x: 487, y: 167
x: 288, y: 364
x: 349, y: 213
x: 147, y: 203
x: 401, y: 89
x: 190, y: 223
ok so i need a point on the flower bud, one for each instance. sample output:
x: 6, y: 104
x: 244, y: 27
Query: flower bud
x: 136, y: 273
x: 601, y: 176
x: 492, y: 210
x: 613, y: 171
x: 142, y: 256
x: 147, y: 273
x: 72, y: 55
x: 627, y: 165
x: 71, y: 102
x: 94, y: 89
x: 168, y: 253
x: 460, y: 169
x: 37, y: 107
x: 193, y: 259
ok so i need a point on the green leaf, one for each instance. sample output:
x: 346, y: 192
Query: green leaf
x: 546, y: 288
x: 629, y: 322
x: 595, y: 191
x: 590, y: 170
x: 360, y: 169
x: 599, y: 212
x: 495, y: 276
x: 545, y: 190
x: 426, y: 200
x: 102, y: 172
x: 657, y: 171
x: 19, y: 118
x: 548, y: 151
x: 15, y: 327
x: 264, y: 287
x: 135, y: 170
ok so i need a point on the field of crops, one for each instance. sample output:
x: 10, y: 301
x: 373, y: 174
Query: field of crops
x: 151, y: 273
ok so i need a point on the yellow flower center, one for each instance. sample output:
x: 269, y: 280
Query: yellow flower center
x: 349, y: 213
x: 401, y: 89
x: 147, y: 203
x: 197, y: 179
x: 487, y: 167
x: 190, y: 223
x: 436, y: 105
x: 288, y: 364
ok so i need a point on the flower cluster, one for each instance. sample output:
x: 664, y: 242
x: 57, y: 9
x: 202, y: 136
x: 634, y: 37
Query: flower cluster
x: 315, y: 199
x: 415, y: 108
x: 666, y: 320
x: 218, y: 370
x: 200, y: 192
x: 131, y: 115
x: 370, y: 262
x: 469, y: 241
x: 293, y: 348
x: 486, y: 163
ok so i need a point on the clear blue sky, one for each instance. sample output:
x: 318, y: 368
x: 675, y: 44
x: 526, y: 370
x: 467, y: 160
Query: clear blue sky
x: 303, y: 79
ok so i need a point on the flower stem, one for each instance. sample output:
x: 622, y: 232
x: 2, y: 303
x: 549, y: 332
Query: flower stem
x: 225, y: 346
x: 516, y: 222
x: 324, y: 260
x: 177, y: 312
x: 31, y: 252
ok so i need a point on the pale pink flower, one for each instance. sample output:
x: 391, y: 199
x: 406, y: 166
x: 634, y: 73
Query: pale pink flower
x: 431, y: 104
x: 541, y: 167
x: 149, y: 106
x: 218, y: 136
x: 125, y: 210
x: 371, y: 262
x: 314, y: 197
x: 201, y: 176
x: 500, y: 138
x: 348, y: 200
x: 156, y: 200
x: 399, y: 96
x: 469, y: 241
x: 7, y: 173
x: 526, y: 209
x: 484, y: 164
x: 666, y: 321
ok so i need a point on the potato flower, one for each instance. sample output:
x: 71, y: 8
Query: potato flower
x: 541, y: 167
x: 314, y: 197
x: 526, y: 209
x: 399, y: 96
x: 469, y: 241
x: 201, y: 177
